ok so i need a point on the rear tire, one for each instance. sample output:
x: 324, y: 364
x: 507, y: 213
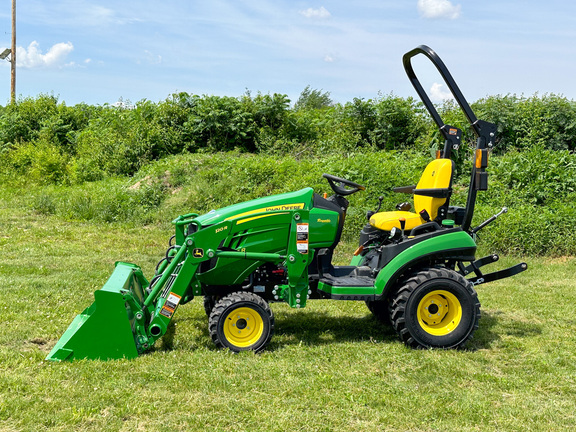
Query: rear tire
x: 241, y: 321
x: 380, y: 310
x: 435, y: 308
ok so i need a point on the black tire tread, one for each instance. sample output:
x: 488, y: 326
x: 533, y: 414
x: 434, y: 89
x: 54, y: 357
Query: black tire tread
x: 235, y: 298
x: 209, y: 303
x: 409, y: 285
x: 380, y: 309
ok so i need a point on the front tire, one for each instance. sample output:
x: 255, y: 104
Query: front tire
x: 435, y: 308
x: 241, y: 321
x: 209, y: 303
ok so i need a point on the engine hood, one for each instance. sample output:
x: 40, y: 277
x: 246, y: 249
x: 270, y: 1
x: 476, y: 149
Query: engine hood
x: 301, y: 199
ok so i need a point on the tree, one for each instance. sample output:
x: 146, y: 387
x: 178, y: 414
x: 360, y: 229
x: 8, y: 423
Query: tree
x: 313, y: 99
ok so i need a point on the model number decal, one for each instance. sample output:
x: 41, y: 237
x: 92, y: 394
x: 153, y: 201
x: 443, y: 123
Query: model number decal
x: 221, y: 229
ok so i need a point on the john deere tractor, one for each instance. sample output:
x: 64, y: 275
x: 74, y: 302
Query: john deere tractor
x: 414, y: 269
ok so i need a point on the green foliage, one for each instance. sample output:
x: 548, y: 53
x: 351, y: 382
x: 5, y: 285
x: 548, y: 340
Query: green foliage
x: 389, y: 122
x: 114, y: 200
x: 548, y: 121
x: 221, y: 123
x: 537, y: 176
x: 537, y: 186
x: 41, y: 162
x: 399, y: 122
x: 96, y: 142
x: 95, y: 155
x: 43, y: 117
x: 530, y: 230
x: 313, y: 99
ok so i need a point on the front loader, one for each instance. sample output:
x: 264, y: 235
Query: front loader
x: 415, y: 270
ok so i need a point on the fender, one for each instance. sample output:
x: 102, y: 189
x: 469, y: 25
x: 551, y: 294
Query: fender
x: 432, y: 248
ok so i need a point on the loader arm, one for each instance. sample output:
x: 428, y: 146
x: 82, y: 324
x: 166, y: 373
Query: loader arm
x: 130, y: 314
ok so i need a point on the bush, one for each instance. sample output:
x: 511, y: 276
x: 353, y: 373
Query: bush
x: 40, y: 162
x: 547, y: 121
x: 44, y: 117
x: 180, y: 184
x: 535, y: 176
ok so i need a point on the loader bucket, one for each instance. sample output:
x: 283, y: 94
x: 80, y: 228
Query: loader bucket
x: 105, y: 329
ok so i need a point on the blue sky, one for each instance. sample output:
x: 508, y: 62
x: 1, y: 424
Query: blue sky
x: 97, y: 52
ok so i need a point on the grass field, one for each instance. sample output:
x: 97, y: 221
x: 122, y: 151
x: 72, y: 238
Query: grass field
x: 330, y: 367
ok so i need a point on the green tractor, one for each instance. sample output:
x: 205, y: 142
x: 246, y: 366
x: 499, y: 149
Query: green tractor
x: 415, y: 270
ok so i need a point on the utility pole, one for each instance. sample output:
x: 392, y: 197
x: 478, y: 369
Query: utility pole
x: 13, y: 56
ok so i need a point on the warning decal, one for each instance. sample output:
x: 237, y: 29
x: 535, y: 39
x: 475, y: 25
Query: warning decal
x: 170, y: 305
x: 172, y: 301
x: 166, y: 312
x: 302, y: 238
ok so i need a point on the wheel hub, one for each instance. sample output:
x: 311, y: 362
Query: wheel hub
x: 243, y: 327
x: 439, y: 312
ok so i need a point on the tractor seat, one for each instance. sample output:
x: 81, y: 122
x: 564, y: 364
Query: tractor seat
x: 431, y: 196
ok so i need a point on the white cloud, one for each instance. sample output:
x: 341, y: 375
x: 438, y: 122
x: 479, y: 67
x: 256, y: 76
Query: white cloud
x: 32, y: 57
x: 321, y: 13
x: 329, y: 58
x: 438, y: 9
x: 439, y: 94
x: 150, y: 58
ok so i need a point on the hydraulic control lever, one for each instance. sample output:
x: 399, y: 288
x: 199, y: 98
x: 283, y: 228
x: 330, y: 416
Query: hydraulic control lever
x: 489, y: 220
x: 371, y: 213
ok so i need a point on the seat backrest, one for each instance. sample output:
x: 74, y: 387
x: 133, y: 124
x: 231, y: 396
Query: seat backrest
x: 437, y: 175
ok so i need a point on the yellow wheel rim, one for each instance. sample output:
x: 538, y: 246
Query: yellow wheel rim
x: 243, y: 327
x: 439, y: 312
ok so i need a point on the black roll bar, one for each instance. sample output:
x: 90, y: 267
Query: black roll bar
x: 484, y: 131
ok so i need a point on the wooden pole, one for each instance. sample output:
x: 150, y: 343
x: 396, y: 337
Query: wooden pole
x: 13, y: 56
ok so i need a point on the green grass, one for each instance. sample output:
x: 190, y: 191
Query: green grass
x: 329, y: 367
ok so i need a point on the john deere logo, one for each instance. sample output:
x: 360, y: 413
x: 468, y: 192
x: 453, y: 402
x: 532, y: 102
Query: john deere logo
x: 198, y: 253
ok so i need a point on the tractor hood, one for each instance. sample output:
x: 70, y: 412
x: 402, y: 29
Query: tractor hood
x: 301, y: 199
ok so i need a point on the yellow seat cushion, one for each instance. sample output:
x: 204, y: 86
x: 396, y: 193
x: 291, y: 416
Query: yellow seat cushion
x: 386, y: 220
x: 437, y: 175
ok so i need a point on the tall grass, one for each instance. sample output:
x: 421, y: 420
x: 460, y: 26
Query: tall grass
x: 537, y: 185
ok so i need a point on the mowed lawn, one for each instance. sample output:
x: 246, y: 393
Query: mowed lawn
x: 330, y: 367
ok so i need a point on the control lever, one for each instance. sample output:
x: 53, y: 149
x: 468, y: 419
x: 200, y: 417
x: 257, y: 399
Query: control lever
x: 373, y: 212
x: 490, y: 220
x: 402, y: 224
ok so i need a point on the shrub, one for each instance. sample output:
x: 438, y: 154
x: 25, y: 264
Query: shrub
x: 547, y: 121
x: 41, y: 162
x: 534, y: 176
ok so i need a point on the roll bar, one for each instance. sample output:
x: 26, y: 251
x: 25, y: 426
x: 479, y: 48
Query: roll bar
x: 484, y: 131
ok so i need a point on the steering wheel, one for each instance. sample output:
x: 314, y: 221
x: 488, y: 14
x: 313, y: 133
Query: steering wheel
x: 337, y: 183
